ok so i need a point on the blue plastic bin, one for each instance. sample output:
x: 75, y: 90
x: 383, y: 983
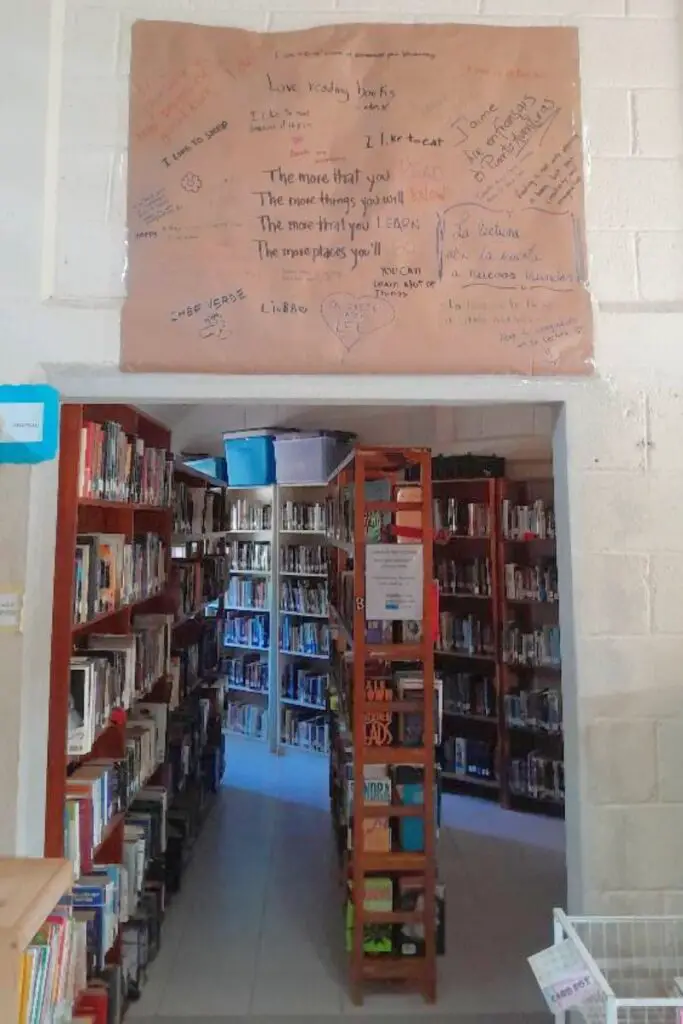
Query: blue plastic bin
x: 250, y: 458
x: 217, y: 468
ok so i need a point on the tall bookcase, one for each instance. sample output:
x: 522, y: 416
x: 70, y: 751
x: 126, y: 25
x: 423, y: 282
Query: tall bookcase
x: 78, y: 515
x: 183, y: 600
x: 375, y: 731
x: 497, y: 651
x: 277, y: 672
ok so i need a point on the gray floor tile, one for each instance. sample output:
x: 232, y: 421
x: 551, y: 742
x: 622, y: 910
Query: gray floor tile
x: 256, y: 935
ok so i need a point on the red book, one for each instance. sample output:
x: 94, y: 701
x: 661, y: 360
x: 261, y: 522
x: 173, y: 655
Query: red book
x: 95, y: 1002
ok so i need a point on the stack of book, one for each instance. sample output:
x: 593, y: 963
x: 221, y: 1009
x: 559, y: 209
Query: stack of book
x: 403, y: 894
x: 250, y: 556
x: 152, y: 634
x: 244, y: 592
x: 535, y: 521
x: 467, y: 578
x: 298, y: 684
x: 303, y: 596
x: 534, y: 709
x: 305, y: 637
x: 461, y: 518
x: 303, y: 517
x: 110, y: 571
x: 247, y: 719
x: 537, y: 777
x: 248, y: 673
x: 467, y: 693
x: 198, y: 510
x: 531, y: 582
x: 539, y: 647
x: 115, y: 467
x: 467, y: 635
x: 247, y: 516
x: 247, y: 631
x: 470, y: 758
x: 303, y: 559
x: 306, y: 733
x: 54, y: 968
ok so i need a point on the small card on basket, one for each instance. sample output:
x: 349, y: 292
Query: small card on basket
x: 563, y: 977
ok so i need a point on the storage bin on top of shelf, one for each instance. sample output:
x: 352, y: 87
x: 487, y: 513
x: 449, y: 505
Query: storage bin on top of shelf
x: 310, y: 458
x: 250, y: 455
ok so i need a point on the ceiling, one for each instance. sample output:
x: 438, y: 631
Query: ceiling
x: 527, y: 428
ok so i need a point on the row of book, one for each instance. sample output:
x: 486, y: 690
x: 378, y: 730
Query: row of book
x: 104, y: 787
x: 303, y: 596
x: 535, y: 521
x: 466, y: 634
x: 111, y: 674
x: 250, y: 556
x: 340, y: 512
x: 304, y: 517
x: 244, y: 592
x: 538, y: 777
x: 111, y: 571
x: 470, y: 758
x: 245, y: 514
x: 247, y: 719
x: 531, y: 582
x: 248, y: 672
x: 198, y: 510
x: 462, y: 518
x: 305, y: 637
x: 305, y: 733
x: 247, y: 631
x: 54, y: 968
x: 196, y: 583
x: 303, y: 559
x: 467, y: 693
x: 534, y: 709
x: 298, y: 684
x: 401, y: 785
x: 116, y: 467
x: 404, y: 894
x: 539, y: 647
x: 472, y: 577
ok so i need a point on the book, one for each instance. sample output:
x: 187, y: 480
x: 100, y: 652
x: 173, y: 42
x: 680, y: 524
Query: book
x: 378, y: 895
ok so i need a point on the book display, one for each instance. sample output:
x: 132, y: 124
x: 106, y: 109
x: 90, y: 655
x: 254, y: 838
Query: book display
x: 498, y: 643
x: 135, y: 707
x: 385, y: 716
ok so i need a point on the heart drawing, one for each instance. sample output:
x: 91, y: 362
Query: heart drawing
x: 350, y: 317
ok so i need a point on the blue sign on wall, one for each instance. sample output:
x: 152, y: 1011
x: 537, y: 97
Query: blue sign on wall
x: 29, y: 422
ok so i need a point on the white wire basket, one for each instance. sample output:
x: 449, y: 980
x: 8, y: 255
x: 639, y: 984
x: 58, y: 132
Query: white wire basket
x: 636, y: 963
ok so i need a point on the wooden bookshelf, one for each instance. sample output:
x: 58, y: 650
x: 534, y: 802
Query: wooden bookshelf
x: 529, y: 599
x: 351, y: 505
x: 535, y: 559
x: 76, y: 514
x: 30, y: 889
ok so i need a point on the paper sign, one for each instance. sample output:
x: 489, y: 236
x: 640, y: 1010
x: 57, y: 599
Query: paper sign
x: 563, y: 978
x: 356, y: 199
x: 393, y: 581
x: 21, y: 421
x: 10, y: 611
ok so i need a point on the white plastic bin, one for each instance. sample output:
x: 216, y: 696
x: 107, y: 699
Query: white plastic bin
x: 308, y: 458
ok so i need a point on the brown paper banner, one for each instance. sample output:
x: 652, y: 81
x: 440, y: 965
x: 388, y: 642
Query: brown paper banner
x: 356, y: 199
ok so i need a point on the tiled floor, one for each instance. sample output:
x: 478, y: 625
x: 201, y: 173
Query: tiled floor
x: 257, y: 930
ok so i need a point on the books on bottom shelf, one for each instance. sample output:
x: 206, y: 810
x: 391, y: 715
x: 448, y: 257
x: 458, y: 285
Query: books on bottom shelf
x: 247, y: 719
x: 470, y: 758
x: 305, y: 733
x: 537, y: 777
x: 386, y: 895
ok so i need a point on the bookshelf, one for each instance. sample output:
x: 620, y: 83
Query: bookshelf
x: 532, y: 748
x: 135, y: 709
x: 466, y: 569
x: 251, y: 613
x: 497, y: 651
x: 303, y: 618
x: 382, y: 699
x: 30, y: 889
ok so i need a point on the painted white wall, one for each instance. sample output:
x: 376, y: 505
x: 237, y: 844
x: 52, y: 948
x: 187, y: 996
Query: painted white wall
x: 63, y: 67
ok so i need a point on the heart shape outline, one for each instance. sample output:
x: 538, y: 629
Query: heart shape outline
x: 352, y: 317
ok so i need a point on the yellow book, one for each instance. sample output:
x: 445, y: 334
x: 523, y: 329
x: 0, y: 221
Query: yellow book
x: 25, y: 987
